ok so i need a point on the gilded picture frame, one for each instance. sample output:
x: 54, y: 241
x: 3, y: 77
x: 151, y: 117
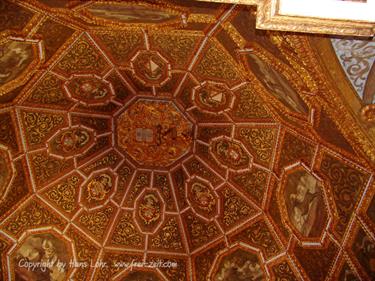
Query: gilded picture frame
x: 338, y: 17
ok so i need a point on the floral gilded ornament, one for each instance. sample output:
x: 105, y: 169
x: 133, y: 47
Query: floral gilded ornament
x: 49, y: 91
x: 283, y: 271
x: 346, y: 183
x: 149, y: 210
x: 150, y: 68
x: 168, y: 237
x: 249, y: 105
x: 121, y: 45
x: 39, y: 126
x: 89, y: 89
x: 161, y: 182
x: 178, y: 46
x: 259, y: 235
x: 97, y: 222
x: 33, y: 215
x: 85, y: 251
x: 46, y: 168
x: 234, y: 208
x: 98, y: 189
x: 199, y: 232
x: 82, y: 57
x: 70, y: 142
x: 202, y: 198
x: 253, y: 183
x: 126, y: 232
x: 212, y: 96
x: 64, y: 194
x: 230, y: 153
x: 158, y: 140
x: 217, y: 64
x: 260, y: 141
x: 356, y: 57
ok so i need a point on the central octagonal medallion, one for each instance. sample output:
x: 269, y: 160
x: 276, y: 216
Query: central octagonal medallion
x: 154, y: 133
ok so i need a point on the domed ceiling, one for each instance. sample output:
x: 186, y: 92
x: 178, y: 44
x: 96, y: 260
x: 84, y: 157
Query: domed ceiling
x: 150, y: 140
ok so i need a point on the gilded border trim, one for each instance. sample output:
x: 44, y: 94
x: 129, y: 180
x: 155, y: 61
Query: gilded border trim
x: 269, y: 18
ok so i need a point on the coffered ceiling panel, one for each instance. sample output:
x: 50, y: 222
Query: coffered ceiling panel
x: 171, y: 140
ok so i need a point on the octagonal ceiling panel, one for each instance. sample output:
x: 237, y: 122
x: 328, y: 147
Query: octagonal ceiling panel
x: 158, y: 140
x: 133, y: 13
x: 19, y: 60
x: 304, y: 205
x: 151, y: 68
x: 173, y: 141
x: 238, y: 264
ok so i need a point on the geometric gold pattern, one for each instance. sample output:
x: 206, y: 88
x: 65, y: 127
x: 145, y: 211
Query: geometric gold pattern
x: 174, y: 141
x: 148, y: 141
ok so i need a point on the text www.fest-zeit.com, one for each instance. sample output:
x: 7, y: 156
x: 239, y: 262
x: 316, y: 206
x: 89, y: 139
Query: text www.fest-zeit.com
x: 43, y: 266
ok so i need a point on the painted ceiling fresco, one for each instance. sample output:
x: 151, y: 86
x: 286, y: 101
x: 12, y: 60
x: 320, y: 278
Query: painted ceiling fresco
x: 357, y: 59
x: 170, y: 140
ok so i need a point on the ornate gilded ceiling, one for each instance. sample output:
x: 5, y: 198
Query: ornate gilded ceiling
x: 170, y: 140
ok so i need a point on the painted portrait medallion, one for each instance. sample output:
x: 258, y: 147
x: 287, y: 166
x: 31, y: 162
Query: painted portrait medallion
x: 154, y: 133
x: 239, y: 265
x: 230, y: 153
x: 304, y: 200
x: 15, y: 57
x: 89, y: 90
x: 130, y: 13
x: 276, y: 84
x: 48, y: 252
x: 70, y: 142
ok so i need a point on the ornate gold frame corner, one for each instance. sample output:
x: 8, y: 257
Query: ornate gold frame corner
x: 269, y: 17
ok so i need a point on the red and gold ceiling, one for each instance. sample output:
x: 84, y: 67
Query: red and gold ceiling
x: 173, y: 136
